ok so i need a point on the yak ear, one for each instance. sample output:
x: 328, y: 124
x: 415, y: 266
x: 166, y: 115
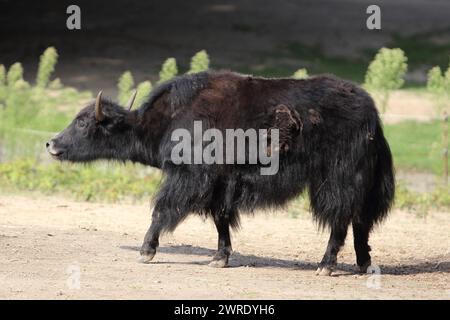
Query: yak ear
x: 99, y: 115
x: 288, y: 122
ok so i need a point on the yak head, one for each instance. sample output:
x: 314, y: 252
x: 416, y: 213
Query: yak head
x: 102, y: 130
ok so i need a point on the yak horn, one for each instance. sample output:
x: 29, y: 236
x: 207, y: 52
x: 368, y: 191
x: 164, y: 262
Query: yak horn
x: 99, y: 116
x: 129, y: 105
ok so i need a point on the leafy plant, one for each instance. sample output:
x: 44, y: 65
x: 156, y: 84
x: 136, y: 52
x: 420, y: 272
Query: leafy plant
x: 438, y: 85
x: 13, y: 89
x: 47, y: 65
x: 300, y: 74
x: 169, y: 70
x: 125, y: 86
x: 421, y: 203
x: 29, y: 115
x: 143, y: 90
x: 199, y: 62
x: 15, y: 73
x: 2, y: 85
x: 435, y: 81
x: 55, y: 84
x: 2, y: 75
x: 386, y: 73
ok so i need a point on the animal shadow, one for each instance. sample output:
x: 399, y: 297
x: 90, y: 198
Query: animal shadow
x: 247, y: 260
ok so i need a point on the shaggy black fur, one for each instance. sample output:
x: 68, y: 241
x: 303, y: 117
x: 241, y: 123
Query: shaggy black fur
x: 332, y: 144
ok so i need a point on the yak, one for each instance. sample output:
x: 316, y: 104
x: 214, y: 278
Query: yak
x: 331, y: 142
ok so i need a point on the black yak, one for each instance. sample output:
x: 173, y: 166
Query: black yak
x: 331, y: 144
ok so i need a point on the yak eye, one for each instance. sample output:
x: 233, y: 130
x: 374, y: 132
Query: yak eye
x: 81, y: 123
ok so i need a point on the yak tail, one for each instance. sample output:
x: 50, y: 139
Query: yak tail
x: 381, y: 196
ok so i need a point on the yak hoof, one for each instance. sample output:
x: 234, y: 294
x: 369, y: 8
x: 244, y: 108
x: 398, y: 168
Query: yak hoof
x: 221, y: 263
x: 365, y: 266
x: 146, y: 258
x: 324, y: 271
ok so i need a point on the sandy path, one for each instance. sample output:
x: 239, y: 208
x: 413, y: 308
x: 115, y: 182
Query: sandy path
x: 46, y: 242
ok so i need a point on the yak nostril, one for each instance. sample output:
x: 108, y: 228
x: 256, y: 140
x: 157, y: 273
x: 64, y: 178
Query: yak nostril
x: 47, y: 144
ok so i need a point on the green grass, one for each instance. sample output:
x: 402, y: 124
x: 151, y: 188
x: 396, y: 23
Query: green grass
x: 416, y: 145
x: 94, y: 182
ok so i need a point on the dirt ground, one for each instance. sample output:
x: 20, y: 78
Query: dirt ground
x: 53, y: 248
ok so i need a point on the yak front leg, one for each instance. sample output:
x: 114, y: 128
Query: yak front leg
x: 162, y: 220
x: 220, y: 259
x: 151, y: 239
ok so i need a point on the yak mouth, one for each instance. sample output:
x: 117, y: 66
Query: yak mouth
x: 54, y: 152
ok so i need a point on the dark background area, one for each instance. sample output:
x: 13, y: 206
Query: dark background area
x: 271, y: 38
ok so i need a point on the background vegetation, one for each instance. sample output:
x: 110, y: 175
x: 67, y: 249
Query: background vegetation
x: 31, y: 113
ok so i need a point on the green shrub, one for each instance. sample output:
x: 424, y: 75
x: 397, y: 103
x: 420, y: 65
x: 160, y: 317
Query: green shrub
x: 47, y: 65
x: 2, y: 75
x: 14, y: 93
x: 125, y: 86
x: 15, y: 73
x: 446, y: 83
x: 438, y: 85
x: 199, y: 62
x: 169, y: 70
x: 32, y: 108
x: 386, y: 73
x: 3, y: 89
x: 300, y: 74
x: 143, y: 90
x: 422, y: 203
x: 435, y: 82
x: 55, y: 84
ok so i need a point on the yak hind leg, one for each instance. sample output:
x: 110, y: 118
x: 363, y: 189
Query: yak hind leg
x: 361, y: 232
x: 336, y: 241
x: 220, y: 259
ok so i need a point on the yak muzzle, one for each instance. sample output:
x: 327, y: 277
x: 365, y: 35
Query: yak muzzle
x: 53, y: 150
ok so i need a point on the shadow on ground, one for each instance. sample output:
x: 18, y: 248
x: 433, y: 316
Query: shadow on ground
x: 433, y: 265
